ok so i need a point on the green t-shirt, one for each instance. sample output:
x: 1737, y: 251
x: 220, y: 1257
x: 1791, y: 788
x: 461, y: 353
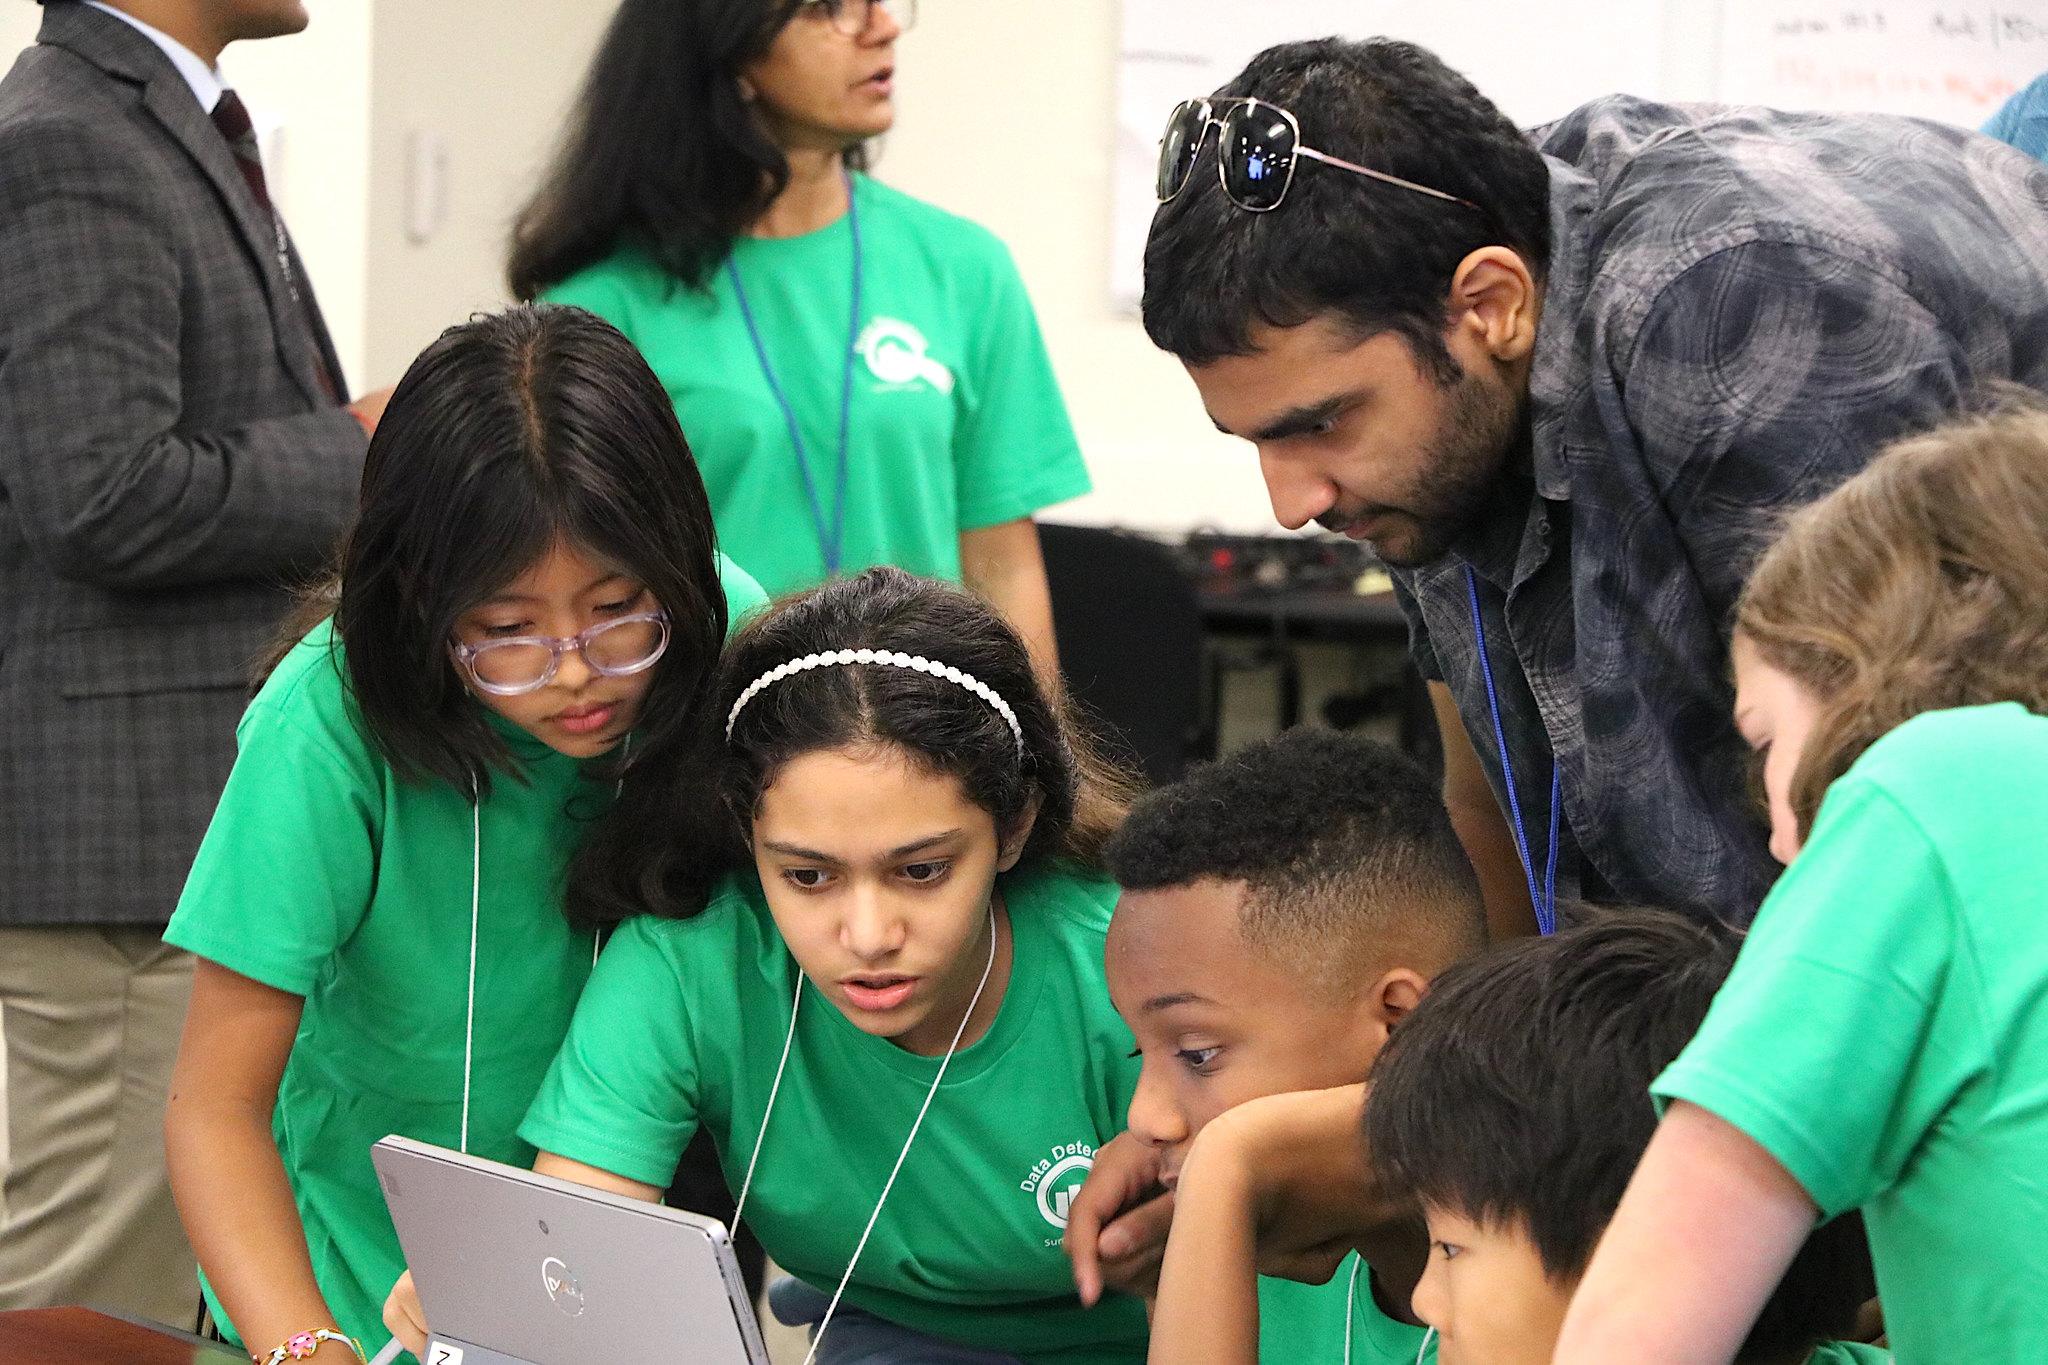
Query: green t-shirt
x: 956, y: 420
x: 1303, y: 1324
x: 324, y: 875
x: 683, y: 1024
x: 1884, y: 1034
x: 1848, y: 1353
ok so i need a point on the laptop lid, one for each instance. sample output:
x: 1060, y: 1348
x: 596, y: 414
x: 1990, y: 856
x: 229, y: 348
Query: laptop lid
x: 515, y: 1268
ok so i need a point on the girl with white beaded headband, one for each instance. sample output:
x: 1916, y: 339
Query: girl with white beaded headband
x: 884, y: 996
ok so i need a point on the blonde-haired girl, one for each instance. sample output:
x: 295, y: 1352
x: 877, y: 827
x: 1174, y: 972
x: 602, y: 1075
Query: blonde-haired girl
x: 1883, y: 1041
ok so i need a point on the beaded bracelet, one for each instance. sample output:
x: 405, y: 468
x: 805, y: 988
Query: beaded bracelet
x: 304, y: 1344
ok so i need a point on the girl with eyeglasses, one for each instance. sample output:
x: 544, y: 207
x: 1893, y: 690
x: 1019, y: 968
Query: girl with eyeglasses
x: 529, y: 606
x: 861, y: 373
x: 871, y: 969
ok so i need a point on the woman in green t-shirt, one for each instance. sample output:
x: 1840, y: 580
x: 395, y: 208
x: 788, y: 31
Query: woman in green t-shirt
x: 860, y: 372
x: 1882, y: 1042
x: 874, y: 976
x: 376, y: 906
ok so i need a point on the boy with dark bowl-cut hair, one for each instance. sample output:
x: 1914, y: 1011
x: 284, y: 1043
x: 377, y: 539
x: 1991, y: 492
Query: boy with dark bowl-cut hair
x: 1515, y: 1104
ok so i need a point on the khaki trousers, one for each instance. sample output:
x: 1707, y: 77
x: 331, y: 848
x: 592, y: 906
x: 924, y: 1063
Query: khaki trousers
x: 91, y: 1015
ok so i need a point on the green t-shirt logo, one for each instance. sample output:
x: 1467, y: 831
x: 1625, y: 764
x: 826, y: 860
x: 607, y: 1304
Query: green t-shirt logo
x: 1056, y: 1178
x: 897, y: 355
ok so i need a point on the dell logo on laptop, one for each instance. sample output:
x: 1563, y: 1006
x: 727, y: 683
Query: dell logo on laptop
x: 564, y: 1289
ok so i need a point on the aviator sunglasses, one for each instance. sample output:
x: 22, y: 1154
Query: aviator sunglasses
x: 1257, y: 145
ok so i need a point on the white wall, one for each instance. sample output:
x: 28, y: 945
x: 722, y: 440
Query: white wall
x: 490, y: 80
x: 18, y: 21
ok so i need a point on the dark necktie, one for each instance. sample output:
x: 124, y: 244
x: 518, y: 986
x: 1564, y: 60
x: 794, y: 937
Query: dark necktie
x: 231, y: 117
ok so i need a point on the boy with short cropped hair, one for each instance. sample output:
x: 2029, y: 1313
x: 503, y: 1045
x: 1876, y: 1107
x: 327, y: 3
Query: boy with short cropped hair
x: 1282, y: 910
x: 1514, y: 1105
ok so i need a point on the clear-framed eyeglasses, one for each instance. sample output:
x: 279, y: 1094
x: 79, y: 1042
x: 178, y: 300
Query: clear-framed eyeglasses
x: 527, y: 663
x: 852, y: 17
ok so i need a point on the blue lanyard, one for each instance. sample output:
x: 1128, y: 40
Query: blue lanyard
x: 831, y: 536
x: 1544, y: 902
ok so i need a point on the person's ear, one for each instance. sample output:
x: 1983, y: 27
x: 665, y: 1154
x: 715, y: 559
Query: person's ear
x: 1391, y: 999
x: 1494, y: 304
x: 748, y: 94
x: 1014, y: 839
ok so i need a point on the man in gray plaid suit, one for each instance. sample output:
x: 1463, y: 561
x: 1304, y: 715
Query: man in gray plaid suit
x: 173, y: 453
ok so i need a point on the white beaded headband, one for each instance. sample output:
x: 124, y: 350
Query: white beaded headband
x: 888, y: 659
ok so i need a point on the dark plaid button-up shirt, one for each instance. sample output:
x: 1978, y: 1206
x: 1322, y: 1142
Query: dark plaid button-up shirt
x: 1741, y: 307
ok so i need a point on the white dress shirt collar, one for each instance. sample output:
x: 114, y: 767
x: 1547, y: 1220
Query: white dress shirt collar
x: 206, y: 82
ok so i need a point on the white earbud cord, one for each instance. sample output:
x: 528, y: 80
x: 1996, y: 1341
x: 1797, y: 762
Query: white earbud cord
x: 988, y: 970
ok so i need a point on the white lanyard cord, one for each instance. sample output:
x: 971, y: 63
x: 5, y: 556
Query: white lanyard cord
x: 775, y: 1089
x: 740, y: 1207
x: 1350, y: 1306
x: 987, y: 970
x: 476, y: 887
x: 1350, y: 1316
x: 476, y: 882
x: 618, y: 790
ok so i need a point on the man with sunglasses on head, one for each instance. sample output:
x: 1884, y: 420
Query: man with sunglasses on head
x: 1560, y: 382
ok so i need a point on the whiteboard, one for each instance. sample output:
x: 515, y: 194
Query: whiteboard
x: 1954, y: 61
x: 1948, y: 61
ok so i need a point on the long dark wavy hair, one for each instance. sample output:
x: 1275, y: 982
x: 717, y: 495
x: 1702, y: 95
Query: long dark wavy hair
x: 677, y: 828
x: 661, y: 153
x: 512, y: 432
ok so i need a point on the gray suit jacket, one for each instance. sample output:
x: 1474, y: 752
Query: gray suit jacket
x: 169, y: 467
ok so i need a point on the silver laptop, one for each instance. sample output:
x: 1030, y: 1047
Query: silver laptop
x: 515, y: 1268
